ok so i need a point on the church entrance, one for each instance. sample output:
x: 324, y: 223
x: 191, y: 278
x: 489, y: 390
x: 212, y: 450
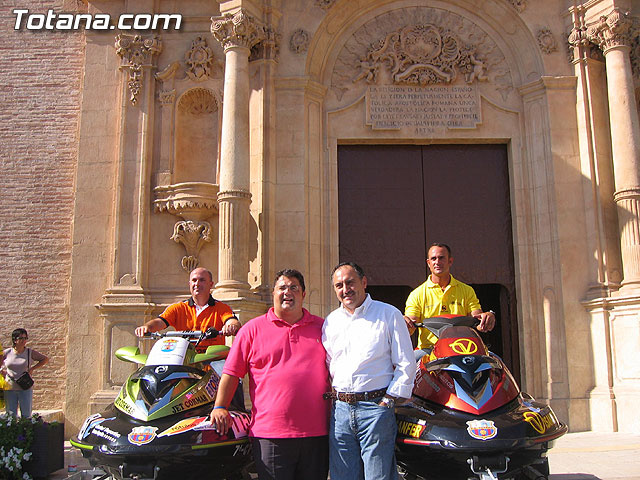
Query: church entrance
x: 395, y: 200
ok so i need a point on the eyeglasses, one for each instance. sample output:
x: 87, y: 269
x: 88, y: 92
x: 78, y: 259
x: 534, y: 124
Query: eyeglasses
x: 22, y: 338
x: 291, y: 288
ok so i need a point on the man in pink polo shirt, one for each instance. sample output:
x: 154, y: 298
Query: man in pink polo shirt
x: 283, y: 354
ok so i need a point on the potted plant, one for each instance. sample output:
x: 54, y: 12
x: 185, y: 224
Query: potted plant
x: 30, y: 447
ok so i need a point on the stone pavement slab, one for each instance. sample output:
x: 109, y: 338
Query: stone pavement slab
x: 576, y: 456
x: 596, y: 456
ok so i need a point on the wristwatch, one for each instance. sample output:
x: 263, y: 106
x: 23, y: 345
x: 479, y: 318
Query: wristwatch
x: 388, y: 402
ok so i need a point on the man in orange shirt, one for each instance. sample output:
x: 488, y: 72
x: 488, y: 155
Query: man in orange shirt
x: 199, y: 312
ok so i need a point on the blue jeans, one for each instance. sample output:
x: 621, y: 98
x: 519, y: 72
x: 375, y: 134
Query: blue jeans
x: 23, y: 397
x: 361, y: 442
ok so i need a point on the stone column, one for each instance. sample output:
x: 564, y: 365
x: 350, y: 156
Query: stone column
x: 237, y: 33
x: 613, y: 34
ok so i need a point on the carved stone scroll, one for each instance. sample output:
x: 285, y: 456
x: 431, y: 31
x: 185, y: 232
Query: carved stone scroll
x: 137, y: 53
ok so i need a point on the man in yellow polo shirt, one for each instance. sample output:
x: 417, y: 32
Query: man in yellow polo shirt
x: 200, y: 312
x: 442, y: 294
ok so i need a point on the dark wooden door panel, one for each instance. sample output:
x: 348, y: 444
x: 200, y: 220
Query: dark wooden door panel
x: 395, y: 200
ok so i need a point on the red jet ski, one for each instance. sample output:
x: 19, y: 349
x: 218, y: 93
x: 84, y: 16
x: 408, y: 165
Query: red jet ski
x: 467, y: 418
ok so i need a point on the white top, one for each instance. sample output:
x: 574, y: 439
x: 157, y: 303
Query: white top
x: 369, y: 350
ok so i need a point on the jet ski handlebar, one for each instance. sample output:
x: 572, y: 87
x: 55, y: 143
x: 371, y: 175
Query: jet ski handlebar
x: 195, y: 335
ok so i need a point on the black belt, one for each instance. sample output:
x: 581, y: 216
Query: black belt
x: 353, y: 397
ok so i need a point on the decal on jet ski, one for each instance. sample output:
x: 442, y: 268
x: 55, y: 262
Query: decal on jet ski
x: 464, y: 346
x: 169, y: 344
x: 123, y: 405
x: 240, y: 424
x: 190, y: 402
x: 106, y: 433
x: 212, y: 386
x: 142, y: 435
x: 482, y: 429
x: 410, y: 429
x: 90, y: 423
x: 540, y: 423
x: 244, y: 449
x: 182, y: 426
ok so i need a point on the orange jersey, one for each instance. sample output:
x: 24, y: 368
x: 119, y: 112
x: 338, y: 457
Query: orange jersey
x: 182, y: 316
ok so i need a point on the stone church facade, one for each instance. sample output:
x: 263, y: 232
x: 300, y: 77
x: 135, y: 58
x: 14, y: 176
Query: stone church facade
x: 261, y: 135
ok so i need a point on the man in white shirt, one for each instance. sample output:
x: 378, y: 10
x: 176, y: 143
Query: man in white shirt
x: 371, y: 364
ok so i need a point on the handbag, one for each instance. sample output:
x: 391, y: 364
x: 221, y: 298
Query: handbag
x: 25, y: 381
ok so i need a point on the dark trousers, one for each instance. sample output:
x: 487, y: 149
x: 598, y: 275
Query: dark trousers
x: 291, y: 458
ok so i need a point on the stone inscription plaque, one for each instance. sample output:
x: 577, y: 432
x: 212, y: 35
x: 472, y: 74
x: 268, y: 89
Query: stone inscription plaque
x: 426, y: 110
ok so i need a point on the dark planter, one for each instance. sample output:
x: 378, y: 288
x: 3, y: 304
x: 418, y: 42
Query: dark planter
x: 47, y: 448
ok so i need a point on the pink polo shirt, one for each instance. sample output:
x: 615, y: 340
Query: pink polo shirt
x: 287, y: 375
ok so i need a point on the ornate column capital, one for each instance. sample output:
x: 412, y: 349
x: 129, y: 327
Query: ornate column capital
x: 136, y: 53
x: 578, y: 37
x: 237, y: 30
x: 612, y: 30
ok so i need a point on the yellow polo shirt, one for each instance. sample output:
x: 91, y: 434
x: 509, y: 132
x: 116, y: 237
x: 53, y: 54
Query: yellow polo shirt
x: 429, y: 300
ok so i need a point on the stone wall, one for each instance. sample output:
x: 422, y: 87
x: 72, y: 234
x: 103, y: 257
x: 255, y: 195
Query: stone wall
x: 40, y: 96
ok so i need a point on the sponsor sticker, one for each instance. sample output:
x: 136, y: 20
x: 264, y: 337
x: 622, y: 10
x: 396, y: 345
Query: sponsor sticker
x: 123, y: 405
x: 212, y: 386
x: 414, y: 430
x: 106, y: 433
x: 142, y: 435
x: 482, y: 429
x: 169, y: 344
x: 540, y: 423
x: 182, y: 426
x: 464, y: 346
x: 88, y: 425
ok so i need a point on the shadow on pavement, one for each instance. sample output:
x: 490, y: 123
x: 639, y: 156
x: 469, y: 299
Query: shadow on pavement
x: 573, y: 476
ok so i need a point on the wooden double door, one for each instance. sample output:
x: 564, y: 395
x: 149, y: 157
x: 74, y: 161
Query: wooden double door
x: 396, y: 200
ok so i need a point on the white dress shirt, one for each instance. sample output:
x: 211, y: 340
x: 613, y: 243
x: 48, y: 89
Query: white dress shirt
x: 369, y: 350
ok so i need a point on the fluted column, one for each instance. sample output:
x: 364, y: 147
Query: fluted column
x: 237, y: 33
x: 613, y: 34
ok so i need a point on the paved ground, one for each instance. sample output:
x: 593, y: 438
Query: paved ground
x: 576, y: 456
x: 596, y: 456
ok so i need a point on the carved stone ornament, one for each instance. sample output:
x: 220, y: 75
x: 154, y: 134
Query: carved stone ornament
x: 519, y: 5
x: 199, y: 59
x: 437, y: 47
x: 613, y: 30
x: 324, y: 4
x: 137, y: 53
x: 546, y: 41
x: 198, y: 101
x: 192, y: 235
x: 237, y: 30
x: 422, y: 55
x: 299, y: 41
x: 268, y: 47
x: 167, y: 97
x: 194, y: 202
x: 189, y: 200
